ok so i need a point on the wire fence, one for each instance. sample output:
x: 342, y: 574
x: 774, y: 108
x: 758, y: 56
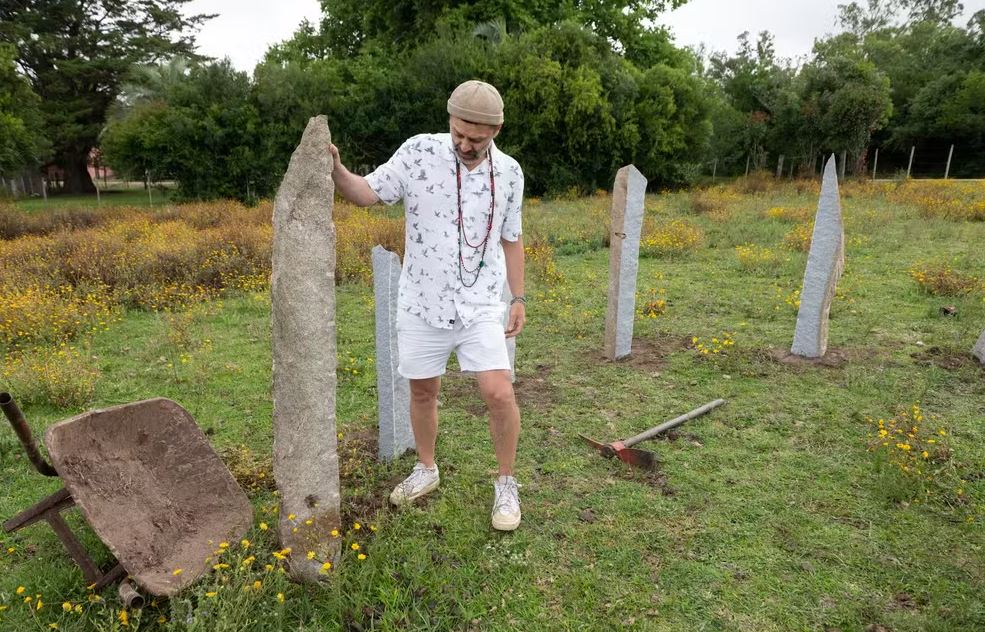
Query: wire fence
x: 928, y: 161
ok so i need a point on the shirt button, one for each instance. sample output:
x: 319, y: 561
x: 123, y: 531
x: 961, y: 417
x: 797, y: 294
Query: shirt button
x: 451, y: 321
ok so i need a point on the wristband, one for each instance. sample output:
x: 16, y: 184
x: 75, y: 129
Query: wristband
x: 518, y: 299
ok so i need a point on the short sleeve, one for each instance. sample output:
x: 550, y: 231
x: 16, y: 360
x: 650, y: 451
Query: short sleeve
x: 389, y: 181
x: 512, y: 228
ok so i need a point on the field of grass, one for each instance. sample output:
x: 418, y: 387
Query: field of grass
x: 782, y: 510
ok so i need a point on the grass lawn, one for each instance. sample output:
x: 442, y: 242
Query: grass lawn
x: 767, y: 514
x: 134, y: 196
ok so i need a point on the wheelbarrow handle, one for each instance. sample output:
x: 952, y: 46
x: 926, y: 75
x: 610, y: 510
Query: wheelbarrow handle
x: 673, y: 423
x: 16, y: 419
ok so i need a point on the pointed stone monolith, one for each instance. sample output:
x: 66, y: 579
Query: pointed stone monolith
x: 306, y: 465
x: 825, y: 263
x: 624, y: 253
x: 392, y: 389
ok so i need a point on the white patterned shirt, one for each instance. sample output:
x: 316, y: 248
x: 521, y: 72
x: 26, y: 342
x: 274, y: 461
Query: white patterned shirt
x: 422, y: 174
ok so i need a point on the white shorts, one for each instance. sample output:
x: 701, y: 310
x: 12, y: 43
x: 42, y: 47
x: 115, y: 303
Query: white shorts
x: 423, y: 350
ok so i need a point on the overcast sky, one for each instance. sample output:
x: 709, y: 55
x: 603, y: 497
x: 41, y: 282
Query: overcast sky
x: 244, y: 29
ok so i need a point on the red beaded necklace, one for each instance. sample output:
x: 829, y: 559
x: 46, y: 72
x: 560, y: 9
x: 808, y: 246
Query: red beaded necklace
x: 461, y: 226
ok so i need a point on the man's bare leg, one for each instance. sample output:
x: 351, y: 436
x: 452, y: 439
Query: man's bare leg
x: 424, y: 417
x: 504, y: 416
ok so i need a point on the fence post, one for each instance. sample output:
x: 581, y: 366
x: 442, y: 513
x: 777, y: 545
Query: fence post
x: 947, y: 169
x: 44, y: 189
x: 747, y: 164
x: 844, y: 160
x: 714, y: 170
x: 150, y: 198
x: 909, y: 165
x: 779, y: 167
x: 875, y: 164
x: 95, y: 183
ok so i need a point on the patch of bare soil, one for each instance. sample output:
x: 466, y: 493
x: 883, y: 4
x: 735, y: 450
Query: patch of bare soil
x: 835, y: 358
x: 653, y: 477
x: 650, y: 354
x: 533, y: 390
x: 363, y: 494
x: 905, y: 601
x: 948, y: 359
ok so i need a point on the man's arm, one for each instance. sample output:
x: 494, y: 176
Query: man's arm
x: 513, y: 253
x: 353, y: 187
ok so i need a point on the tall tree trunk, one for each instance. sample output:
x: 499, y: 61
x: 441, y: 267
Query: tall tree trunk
x: 76, y: 168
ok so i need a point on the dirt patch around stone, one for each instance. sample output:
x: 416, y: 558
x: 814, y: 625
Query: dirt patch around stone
x: 364, y: 495
x: 947, y: 359
x: 835, y: 358
x: 651, y: 353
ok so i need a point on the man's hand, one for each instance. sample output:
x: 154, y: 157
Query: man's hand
x: 336, y: 160
x: 518, y: 317
x: 352, y: 187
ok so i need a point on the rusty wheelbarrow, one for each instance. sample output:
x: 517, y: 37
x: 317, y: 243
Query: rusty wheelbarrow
x: 148, y: 483
x: 643, y: 458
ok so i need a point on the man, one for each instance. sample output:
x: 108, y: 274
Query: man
x: 462, y: 199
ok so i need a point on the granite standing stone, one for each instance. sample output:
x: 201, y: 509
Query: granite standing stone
x: 979, y: 349
x: 624, y: 252
x: 393, y: 390
x: 510, y: 342
x: 825, y: 263
x: 306, y: 465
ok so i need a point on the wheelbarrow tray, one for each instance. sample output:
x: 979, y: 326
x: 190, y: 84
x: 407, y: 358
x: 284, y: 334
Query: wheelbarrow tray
x: 151, y: 487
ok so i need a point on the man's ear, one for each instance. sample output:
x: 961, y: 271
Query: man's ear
x: 498, y: 129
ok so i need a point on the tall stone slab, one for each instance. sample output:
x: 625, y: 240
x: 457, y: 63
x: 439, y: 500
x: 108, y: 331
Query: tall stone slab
x: 979, y: 349
x: 624, y: 254
x: 393, y: 390
x: 825, y: 263
x: 510, y: 342
x: 306, y: 465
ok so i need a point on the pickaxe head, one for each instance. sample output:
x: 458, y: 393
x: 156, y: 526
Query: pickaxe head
x: 635, y: 457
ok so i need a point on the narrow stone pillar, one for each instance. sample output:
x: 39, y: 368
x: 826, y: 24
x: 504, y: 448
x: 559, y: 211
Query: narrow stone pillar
x: 979, y: 349
x: 392, y: 389
x: 624, y: 253
x: 306, y: 465
x: 825, y: 263
x: 510, y: 342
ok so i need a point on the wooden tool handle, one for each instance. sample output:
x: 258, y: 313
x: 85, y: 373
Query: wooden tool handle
x: 673, y: 423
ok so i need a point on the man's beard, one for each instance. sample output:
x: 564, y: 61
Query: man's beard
x: 467, y: 156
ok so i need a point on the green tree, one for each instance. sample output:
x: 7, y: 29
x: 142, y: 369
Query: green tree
x: 22, y: 143
x: 203, y: 131
x: 76, y: 54
x: 846, y: 100
x: 349, y: 24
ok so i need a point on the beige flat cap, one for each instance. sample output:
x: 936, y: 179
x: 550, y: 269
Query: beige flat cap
x: 476, y: 102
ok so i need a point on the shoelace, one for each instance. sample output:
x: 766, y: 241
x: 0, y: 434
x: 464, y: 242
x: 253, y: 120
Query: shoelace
x: 507, y: 496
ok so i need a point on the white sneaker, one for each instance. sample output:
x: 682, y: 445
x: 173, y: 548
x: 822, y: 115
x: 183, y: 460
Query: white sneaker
x: 421, y: 481
x: 506, y: 506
